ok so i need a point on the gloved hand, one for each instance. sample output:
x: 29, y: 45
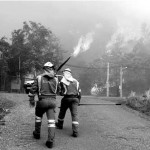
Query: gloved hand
x: 31, y: 102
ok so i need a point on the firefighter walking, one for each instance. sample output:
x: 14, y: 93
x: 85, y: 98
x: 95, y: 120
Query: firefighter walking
x: 45, y: 86
x: 71, y: 93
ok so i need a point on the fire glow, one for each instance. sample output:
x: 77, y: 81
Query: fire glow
x: 84, y: 44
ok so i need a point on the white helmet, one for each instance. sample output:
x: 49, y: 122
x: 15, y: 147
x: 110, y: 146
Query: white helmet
x: 48, y: 65
x: 67, y: 69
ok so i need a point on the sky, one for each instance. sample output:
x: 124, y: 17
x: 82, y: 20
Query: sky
x: 69, y: 20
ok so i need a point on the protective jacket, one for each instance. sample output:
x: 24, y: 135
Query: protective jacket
x: 70, y: 89
x: 44, y: 86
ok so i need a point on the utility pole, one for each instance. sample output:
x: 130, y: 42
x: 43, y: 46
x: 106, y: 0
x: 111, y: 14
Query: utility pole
x: 120, y: 87
x: 121, y: 75
x: 19, y: 67
x: 107, y: 82
x: 19, y: 74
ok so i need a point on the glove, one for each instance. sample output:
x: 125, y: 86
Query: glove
x: 31, y: 102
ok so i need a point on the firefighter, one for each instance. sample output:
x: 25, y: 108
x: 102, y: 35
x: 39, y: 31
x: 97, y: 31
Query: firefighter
x: 45, y: 86
x: 71, y: 93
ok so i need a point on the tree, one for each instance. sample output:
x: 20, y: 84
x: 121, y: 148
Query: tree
x: 4, y: 49
x: 137, y: 59
x: 31, y: 47
x: 19, y: 53
x: 91, y: 75
x: 43, y: 45
x: 86, y: 80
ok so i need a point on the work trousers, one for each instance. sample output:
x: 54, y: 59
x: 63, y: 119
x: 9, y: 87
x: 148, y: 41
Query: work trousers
x: 72, y: 104
x: 47, y: 105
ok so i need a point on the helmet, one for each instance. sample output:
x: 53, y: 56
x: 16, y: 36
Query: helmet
x: 67, y: 69
x: 48, y: 65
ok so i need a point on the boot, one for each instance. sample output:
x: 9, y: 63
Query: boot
x: 51, y: 137
x: 36, y: 132
x: 75, y: 129
x: 49, y: 144
x: 75, y: 134
x: 59, y: 124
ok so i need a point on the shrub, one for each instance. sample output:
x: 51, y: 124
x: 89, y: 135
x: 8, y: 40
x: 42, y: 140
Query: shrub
x: 140, y: 103
x: 4, y: 105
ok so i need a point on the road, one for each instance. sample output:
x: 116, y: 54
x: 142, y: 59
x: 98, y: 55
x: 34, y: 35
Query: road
x: 104, y: 127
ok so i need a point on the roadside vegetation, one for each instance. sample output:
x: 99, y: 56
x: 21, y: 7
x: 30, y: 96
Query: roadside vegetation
x: 140, y: 103
x: 5, y: 106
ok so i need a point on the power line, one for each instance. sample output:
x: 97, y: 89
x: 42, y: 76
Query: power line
x: 84, y: 67
x: 129, y: 67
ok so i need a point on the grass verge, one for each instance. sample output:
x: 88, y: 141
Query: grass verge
x: 5, y: 106
x: 139, y: 103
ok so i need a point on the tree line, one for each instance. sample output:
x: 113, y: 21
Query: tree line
x: 29, y: 48
x: 32, y: 45
x: 132, y: 55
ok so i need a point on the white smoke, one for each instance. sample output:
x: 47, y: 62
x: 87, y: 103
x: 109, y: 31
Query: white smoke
x: 125, y: 33
x: 84, y: 43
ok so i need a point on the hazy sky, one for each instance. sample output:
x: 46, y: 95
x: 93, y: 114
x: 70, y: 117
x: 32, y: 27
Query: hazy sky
x: 68, y: 20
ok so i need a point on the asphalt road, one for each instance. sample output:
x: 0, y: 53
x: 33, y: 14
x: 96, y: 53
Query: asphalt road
x: 102, y: 127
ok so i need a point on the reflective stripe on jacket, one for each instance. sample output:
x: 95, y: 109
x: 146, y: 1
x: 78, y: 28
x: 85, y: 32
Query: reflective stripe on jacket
x: 45, y: 86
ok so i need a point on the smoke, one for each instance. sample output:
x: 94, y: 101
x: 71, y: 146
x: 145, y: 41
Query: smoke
x: 123, y: 35
x: 84, y: 44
